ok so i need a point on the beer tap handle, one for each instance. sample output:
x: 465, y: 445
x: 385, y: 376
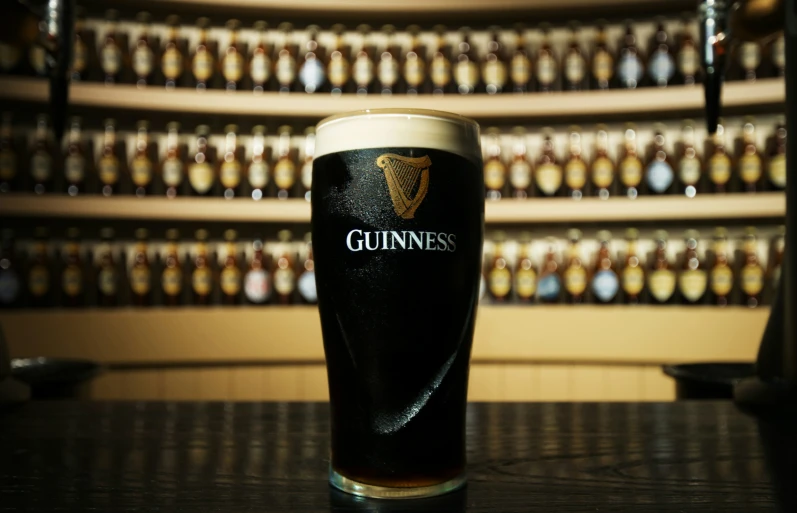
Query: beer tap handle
x: 714, y: 37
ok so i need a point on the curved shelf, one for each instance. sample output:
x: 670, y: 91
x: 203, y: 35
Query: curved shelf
x: 550, y: 210
x: 563, y: 105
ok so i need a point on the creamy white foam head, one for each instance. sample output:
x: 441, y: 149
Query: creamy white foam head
x: 398, y: 128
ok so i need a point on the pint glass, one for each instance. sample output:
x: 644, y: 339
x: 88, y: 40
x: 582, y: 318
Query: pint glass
x: 398, y: 216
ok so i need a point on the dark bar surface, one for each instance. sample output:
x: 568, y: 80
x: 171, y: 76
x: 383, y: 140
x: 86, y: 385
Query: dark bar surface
x: 264, y: 457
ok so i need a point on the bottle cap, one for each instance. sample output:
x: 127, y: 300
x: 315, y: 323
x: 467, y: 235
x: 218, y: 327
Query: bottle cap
x: 308, y: 237
x: 285, y: 129
x: 631, y: 234
x: 338, y: 29
x: 364, y: 28
x: 499, y: 237
x: 413, y: 30
x: 72, y: 233
x: 661, y: 235
x: 173, y: 20
x: 106, y: 233
x: 519, y: 130
x: 231, y: 129
x: 440, y: 29
x: 203, y: 130
x: 112, y: 15
x: 284, y: 235
x: 388, y: 29
x: 203, y: 22
x: 260, y: 25
x: 143, y: 17
x: 604, y: 236
x: 259, y: 130
x: 230, y: 235
x: 172, y: 234
x: 201, y: 235
x: 173, y: 126
x: 524, y: 237
x: 109, y: 122
x: 310, y: 130
x: 720, y: 233
x: 41, y: 232
x: 141, y: 234
x: 142, y: 125
x: 233, y: 24
x: 285, y: 27
x: 574, y: 235
x: 750, y: 232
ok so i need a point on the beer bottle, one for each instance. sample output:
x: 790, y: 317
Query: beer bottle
x: 257, y: 281
x: 72, y: 272
x: 230, y: 276
x: 75, y: 161
x: 108, y: 164
x: 602, y: 168
x: 776, y: 260
x: 203, y: 62
x: 338, y: 67
x: 661, y: 63
x: 605, y: 282
x: 494, y: 64
x: 690, y: 166
x: 750, y: 165
x: 494, y: 167
x: 415, y: 63
x: 575, y: 64
x: 37, y: 58
x: 693, y: 281
x: 284, y: 272
x: 575, y: 273
x: 306, y: 281
x: 548, y: 173
x: 499, y: 277
x: 721, y: 277
x: 520, y: 72
x: 230, y: 167
x: 11, y: 53
x: 142, y: 56
x: 202, y: 275
x: 466, y: 72
x: 776, y: 167
x: 387, y: 68
x: 778, y: 56
x: 630, y: 164
x: 259, y: 170
x: 172, y: 165
x: 141, y: 271
x: 40, y: 286
x: 546, y: 67
x: 80, y: 49
x: 749, y: 59
x: 661, y: 280
x: 285, y: 168
x: 285, y: 68
x: 200, y: 171
x: 575, y: 167
x: 260, y: 61
x: 440, y: 65
x: 172, y: 275
x: 307, y: 166
x: 752, y: 279
x: 111, y: 50
x: 550, y: 283
x: 602, y: 61
x: 107, y: 272
x: 719, y: 165
x: 172, y: 62
x: 142, y: 167
x: 311, y: 72
x: 630, y: 68
x: 41, y: 161
x: 8, y: 156
x: 10, y: 290
x: 520, y: 168
x: 688, y: 56
x: 363, y: 67
x: 633, y: 274
x: 232, y: 61
x: 659, y: 174
x: 525, y: 274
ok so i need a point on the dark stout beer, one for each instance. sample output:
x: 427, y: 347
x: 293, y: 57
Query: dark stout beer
x: 398, y: 215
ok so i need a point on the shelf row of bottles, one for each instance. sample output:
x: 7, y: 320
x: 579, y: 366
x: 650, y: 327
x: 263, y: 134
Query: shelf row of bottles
x: 718, y: 269
x: 337, y: 60
x: 104, y: 272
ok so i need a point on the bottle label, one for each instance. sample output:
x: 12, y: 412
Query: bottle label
x: 633, y: 280
x: 230, y: 174
x: 602, y: 172
x: 548, y: 287
x: 307, y: 174
x: 140, y: 280
x: 338, y: 70
x: 285, y: 173
x: 494, y: 73
x: 750, y: 56
x: 688, y: 61
x: 111, y: 59
x: 526, y: 283
x: 603, y: 66
x: 106, y: 281
x: 141, y: 171
x: 546, y: 69
x: 172, y: 63
x: 311, y: 74
x: 779, y: 52
x: 9, y: 286
x: 143, y: 60
x: 750, y: 168
x: 284, y: 281
x: 520, y: 174
x: 202, y: 66
x: 233, y: 67
x: 387, y: 70
x: 230, y: 281
x: 41, y: 166
x: 752, y: 279
x: 9, y: 56
x: 576, y: 174
x: 72, y: 280
x: 693, y: 284
x: 202, y: 281
x: 777, y: 171
x: 200, y: 176
x: 629, y: 70
x: 500, y: 282
x: 108, y: 169
x: 286, y: 69
x: 260, y: 68
x: 440, y: 71
x: 172, y: 281
x: 466, y: 73
x: 662, y: 284
x: 258, y: 174
x: 363, y: 70
x: 38, y: 59
x: 8, y: 165
x: 689, y: 170
x: 306, y: 286
x: 721, y: 280
x: 549, y: 178
x: 574, y: 68
x: 80, y: 56
x: 521, y: 70
x: 631, y: 171
x: 172, y: 172
x: 719, y: 169
x: 605, y: 285
x: 75, y: 168
x: 257, y: 286
x: 661, y: 67
x: 494, y: 174
x: 39, y: 280
x: 659, y: 176
x: 575, y: 280
x: 415, y: 71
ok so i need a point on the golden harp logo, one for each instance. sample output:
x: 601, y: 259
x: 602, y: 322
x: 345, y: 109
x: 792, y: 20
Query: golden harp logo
x: 408, y: 181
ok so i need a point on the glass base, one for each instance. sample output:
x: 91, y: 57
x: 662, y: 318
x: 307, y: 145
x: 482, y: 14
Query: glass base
x: 390, y: 492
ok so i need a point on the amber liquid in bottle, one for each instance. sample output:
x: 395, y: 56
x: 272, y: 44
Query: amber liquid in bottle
x: 440, y: 65
x: 574, y: 63
x: 172, y: 167
x: 575, y: 273
x: 41, y: 161
x: 776, y: 165
x: 494, y: 69
x: 575, y: 167
x: 693, y: 280
x: 111, y: 50
x: 259, y: 171
x: 520, y: 65
x: 525, y: 274
x: 232, y: 62
x: 387, y: 67
x: 75, y: 162
x: 605, y: 282
x: 142, y: 56
x: 284, y: 271
x: 602, y: 66
x: 285, y: 167
x: 752, y: 273
x: 141, y: 272
x: 202, y: 275
x: 466, y: 70
x: 230, y: 167
x: 108, y: 166
x: 661, y: 279
x: 260, y: 61
x: 203, y: 62
x: 415, y: 63
x: 499, y: 277
x: 520, y: 171
x: 494, y: 167
x: 688, y: 59
x: 751, y: 169
x: 72, y: 279
x: 721, y: 277
x: 107, y: 272
x: 545, y: 66
x: 172, y: 62
x: 201, y: 174
x: 363, y: 66
x: 633, y: 274
x: 690, y: 165
x: 630, y: 165
x: 80, y: 49
x: 230, y: 275
x: 9, y: 157
x: 172, y: 274
x: 142, y: 168
x: 548, y: 174
x: 286, y: 67
x: 602, y: 169
x: 338, y: 66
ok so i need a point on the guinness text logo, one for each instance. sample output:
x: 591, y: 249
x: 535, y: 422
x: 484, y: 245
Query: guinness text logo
x: 408, y: 181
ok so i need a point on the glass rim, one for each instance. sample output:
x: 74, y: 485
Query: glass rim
x: 399, y: 112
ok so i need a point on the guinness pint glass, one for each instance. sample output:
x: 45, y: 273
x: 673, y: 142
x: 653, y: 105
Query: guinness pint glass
x: 398, y: 215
